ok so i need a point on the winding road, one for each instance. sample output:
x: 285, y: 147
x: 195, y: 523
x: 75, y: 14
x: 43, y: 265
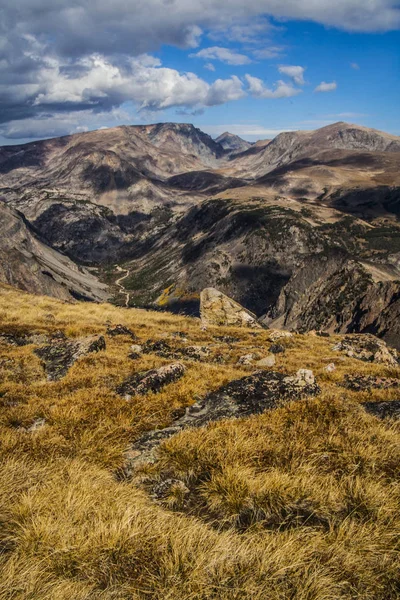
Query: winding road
x: 121, y: 287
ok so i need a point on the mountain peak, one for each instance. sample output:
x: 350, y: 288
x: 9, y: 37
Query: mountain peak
x: 232, y: 142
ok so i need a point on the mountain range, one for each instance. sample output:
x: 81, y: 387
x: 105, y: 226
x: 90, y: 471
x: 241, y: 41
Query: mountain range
x: 303, y: 229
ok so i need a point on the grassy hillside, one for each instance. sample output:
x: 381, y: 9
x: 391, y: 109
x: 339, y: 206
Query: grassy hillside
x: 300, y: 503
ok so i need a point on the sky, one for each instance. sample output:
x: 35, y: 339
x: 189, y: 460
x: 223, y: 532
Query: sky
x: 254, y: 68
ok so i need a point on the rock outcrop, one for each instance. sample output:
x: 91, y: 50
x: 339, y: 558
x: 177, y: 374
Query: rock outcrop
x: 218, y: 309
x: 261, y: 391
x: 368, y: 348
x: 361, y: 383
x: 59, y: 356
x: 384, y: 410
x: 28, y: 263
x: 150, y: 381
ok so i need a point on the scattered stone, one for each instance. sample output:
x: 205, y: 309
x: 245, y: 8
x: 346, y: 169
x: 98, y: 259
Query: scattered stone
x: 227, y: 339
x: 136, y: 351
x: 323, y: 334
x: 246, y: 360
x: 194, y: 352
x: 150, y: 381
x: 218, y: 309
x: 114, y: 330
x: 261, y: 391
x: 368, y: 348
x: 37, y: 425
x: 158, y: 347
x: 59, y: 356
x: 389, y: 409
x: 277, y: 349
x: 269, y: 361
x: 359, y: 383
x: 330, y: 368
x: 279, y: 334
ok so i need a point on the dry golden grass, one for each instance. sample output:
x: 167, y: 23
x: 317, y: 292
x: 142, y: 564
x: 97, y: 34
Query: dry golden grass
x: 301, y: 503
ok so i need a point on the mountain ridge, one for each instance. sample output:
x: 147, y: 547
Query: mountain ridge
x: 177, y: 212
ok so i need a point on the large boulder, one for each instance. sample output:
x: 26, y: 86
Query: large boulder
x: 59, y: 356
x: 218, y: 309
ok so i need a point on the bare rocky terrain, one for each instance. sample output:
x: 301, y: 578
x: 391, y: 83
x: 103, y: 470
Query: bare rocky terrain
x: 302, y: 230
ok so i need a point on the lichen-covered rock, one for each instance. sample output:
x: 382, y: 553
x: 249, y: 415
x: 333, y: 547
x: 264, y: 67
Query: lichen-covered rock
x: 114, y: 330
x: 218, y: 309
x: 261, y: 391
x: 246, y: 359
x: 279, y: 334
x: 59, y: 356
x: 368, y: 348
x: 384, y: 410
x: 160, y: 347
x: 359, y: 383
x: 19, y: 338
x: 199, y: 353
x: 277, y: 349
x: 151, y: 381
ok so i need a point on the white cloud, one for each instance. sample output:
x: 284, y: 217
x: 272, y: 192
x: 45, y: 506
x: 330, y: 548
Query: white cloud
x: 282, y: 89
x: 294, y: 72
x: 209, y: 67
x: 326, y: 87
x: 142, y: 80
x: 355, y: 66
x: 269, y: 52
x: 223, y: 54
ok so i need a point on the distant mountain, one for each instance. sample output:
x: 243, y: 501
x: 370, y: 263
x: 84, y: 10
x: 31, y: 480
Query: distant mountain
x: 232, y: 142
x: 303, y: 229
x: 290, y: 146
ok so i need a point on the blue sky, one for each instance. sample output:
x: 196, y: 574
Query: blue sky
x: 255, y: 69
x: 364, y: 66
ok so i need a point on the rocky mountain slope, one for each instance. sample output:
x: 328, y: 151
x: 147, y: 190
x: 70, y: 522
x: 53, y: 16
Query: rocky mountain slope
x: 146, y: 456
x: 233, y: 143
x: 35, y: 267
x: 285, y: 227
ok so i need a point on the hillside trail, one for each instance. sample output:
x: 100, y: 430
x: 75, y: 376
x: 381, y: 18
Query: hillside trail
x: 121, y: 287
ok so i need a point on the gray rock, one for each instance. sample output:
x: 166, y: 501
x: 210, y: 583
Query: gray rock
x: 368, y: 348
x: 268, y: 361
x: 59, y: 356
x: 259, y: 392
x: 384, y: 410
x: 246, y: 359
x: 151, y: 381
x: 114, y: 330
x: 277, y: 349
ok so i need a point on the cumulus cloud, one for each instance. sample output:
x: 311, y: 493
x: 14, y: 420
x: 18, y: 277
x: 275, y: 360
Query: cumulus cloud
x: 294, y: 72
x: 281, y: 89
x: 209, y: 67
x: 96, y: 83
x: 223, y: 54
x: 83, y: 55
x: 326, y: 87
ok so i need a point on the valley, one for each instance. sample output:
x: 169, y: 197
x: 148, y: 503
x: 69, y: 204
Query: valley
x: 303, y: 229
